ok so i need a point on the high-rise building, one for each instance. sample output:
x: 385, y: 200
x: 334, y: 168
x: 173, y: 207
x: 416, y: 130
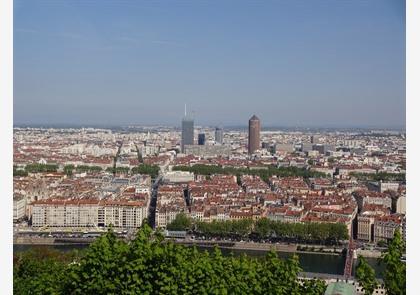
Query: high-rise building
x: 254, y: 128
x: 218, y: 135
x: 187, y: 131
x: 201, y: 139
x: 314, y: 139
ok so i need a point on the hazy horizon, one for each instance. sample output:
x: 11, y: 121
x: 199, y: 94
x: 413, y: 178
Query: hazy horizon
x: 226, y: 127
x: 318, y: 63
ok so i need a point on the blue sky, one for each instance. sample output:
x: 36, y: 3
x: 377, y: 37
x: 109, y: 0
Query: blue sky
x: 293, y: 63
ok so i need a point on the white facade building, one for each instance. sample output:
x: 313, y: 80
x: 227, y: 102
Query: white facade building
x: 19, y: 208
x: 178, y: 176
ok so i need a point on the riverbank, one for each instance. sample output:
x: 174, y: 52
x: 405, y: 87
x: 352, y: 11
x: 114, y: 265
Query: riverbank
x: 240, y: 246
x: 368, y: 253
x: 287, y: 248
x: 311, y: 262
x: 47, y: 241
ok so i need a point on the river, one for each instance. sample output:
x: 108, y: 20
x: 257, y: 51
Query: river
x: 310, y: 262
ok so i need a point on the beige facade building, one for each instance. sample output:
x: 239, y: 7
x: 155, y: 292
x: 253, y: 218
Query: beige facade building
x: 88, y: 213
x: 385, y: 227
x: 365, y: 227
x: 19, y: 207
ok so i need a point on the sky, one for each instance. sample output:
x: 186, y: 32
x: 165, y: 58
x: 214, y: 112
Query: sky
x: 313, y: 63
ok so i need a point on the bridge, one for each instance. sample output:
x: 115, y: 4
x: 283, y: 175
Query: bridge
x: 348, y: 266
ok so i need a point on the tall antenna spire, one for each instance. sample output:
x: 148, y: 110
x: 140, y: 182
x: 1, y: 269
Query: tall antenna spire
x: 185, y: 110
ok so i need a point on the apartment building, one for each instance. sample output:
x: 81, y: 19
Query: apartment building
x: 170, y: 202
x: 88, y: 213
x: 385, y: 227
x: 19, y: 207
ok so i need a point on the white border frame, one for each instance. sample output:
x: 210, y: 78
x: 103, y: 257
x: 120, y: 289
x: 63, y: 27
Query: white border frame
x: 6, y: 151
x: 413, y: 142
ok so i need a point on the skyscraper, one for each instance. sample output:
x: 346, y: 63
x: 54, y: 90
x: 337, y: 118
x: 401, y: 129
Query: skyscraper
x: 201, y: 139
x: 187, y: 131
x: 218, y: 135
x: 254, y: 134
x: 314, y: 139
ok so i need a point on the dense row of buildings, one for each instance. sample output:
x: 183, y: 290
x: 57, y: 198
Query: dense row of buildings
x: 92, y: 196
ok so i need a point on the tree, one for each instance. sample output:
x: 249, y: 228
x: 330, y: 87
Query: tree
x: 365, y: 274
x: 265, y: 173
x: 181, y: 222
x: 394, y: 275
x: 35, y: 168
x: 151, y: 170
x: 19, y: 172
x: 68, y: 170
x: 150, y: 265
x: 263, y: 227
x: 40, y: 271
x: 313, y: 287
x: 102, y: 269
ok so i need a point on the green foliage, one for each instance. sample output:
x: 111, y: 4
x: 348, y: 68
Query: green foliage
x: 181, y: 222
x: 68, y: 169
x: 34, y: 168
x: 86, y: 168
x: 102, y: 269
x: 313, y: 232
x: 114, y: 170
x: 381, y: 176
x: 395, y: 269
x: 330, y: 233
x: 41, y: 271
x: 150, y: 265
x: 19, y: 172
x: 365, y: 274
x: 151, y: 170
x: 313, y: 287
x: 265, y: 174
x: 228, y: 228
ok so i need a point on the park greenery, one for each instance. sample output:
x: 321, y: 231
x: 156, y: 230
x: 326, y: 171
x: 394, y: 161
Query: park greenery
x: 181, y: 223
x: 36, y: 168
x: 150, y: 265
x: 152, y: 170
x: 264, y: 229
x: 265, y: 173
x: 380, y: 176
x: 117, y: 170
x: 69, y: 169
x: 19, y: 172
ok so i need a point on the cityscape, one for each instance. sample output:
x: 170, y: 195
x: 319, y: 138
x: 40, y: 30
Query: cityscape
x: 209, y: 147
x: 71, y: 184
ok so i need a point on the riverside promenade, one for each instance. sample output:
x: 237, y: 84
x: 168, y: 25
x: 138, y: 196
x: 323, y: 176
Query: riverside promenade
x: 37, y: 240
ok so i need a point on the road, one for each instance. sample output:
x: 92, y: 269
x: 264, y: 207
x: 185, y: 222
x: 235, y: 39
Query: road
x: 152, y: 207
